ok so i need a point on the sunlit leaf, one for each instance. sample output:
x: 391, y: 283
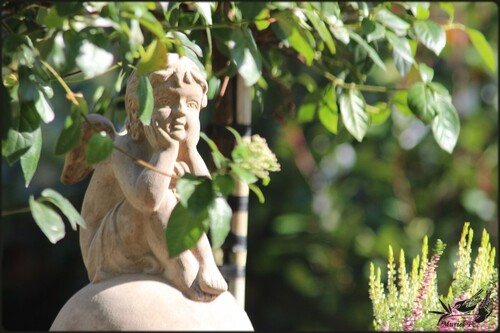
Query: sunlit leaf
x: 446, y: 125
x: 287, y: 28
x: 403, y: 58
x: 431, y: 35
x: 47, y: 220
x: 224, y: 184
x: 220, y: 221
x: 145, y: 98
x: 309, y: 106
x: 371, y: 52
x: 426, y: 73
x: 381, y: 115
x: 65, y: 206
x: 373, y: 30
x: 354, y: 117
x: 150, y: 22
x: 321, y: 28
x: 99, y: 147
x: 392, y: 21
x: 328, y: 111
x: 153, y: 59
x: 421, y: 102
x: 449, y: 8
x: 205, y: 10
x: 29, y: 160
x: 483, y: 48
x: 71, y: 133
x: 245, y: 54
x: 44, y: 109
x: 420, y: 10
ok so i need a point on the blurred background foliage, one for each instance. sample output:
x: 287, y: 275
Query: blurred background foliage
x: 336, y: 205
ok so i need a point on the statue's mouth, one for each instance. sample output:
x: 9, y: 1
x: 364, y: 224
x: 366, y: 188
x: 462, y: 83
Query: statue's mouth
x: 179, y: 123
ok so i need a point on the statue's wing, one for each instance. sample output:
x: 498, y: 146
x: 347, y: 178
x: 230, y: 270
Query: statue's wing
x: 75, y: 167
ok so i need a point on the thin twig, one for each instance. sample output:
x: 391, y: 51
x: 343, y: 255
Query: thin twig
x: 16, y: 211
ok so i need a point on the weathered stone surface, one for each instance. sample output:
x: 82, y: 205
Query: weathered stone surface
x: 145, y: 302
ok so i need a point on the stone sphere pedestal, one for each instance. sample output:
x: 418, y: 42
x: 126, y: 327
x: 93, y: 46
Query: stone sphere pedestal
x: 143, y: 302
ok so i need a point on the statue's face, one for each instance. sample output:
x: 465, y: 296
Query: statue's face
x: 177, y: 109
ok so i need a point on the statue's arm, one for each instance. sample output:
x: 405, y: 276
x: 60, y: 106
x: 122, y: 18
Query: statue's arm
x: 144, y: 188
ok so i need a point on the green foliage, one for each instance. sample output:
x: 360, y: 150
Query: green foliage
x: 340, y: 46
x: 202, y: 205
x: 99, y: 147
x: 412, y: 302
x: 48, y: 219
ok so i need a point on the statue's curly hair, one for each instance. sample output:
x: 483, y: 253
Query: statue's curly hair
x: 185, y: 70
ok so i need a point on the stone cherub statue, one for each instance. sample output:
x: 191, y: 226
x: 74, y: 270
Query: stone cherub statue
x: 127, y: 206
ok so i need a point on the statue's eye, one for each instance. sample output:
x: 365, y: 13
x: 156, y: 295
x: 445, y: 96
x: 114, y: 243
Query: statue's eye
x: 192, y: 105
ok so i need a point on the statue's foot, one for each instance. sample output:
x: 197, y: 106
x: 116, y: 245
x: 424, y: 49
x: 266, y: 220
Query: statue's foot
x: 211, y: 281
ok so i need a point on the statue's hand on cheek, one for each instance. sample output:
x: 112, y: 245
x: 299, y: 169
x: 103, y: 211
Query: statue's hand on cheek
x: 158, y: 138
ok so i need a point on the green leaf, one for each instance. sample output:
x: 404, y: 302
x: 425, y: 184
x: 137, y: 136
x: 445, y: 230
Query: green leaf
x: 205, y: 11
x: 401, y: 46
x: 224, y: 184
x: 382, y: 114
x: 186, y: 42
x: 145, y: 98
x: 262, y: 19
x: 392, y: 21
x: 255, y: 189
x: 307, y: 81
x: 400, y: 102
x: 328, y: 111
x: 426, y: 73
x: 65, y: 206
x: 371, y: 52
x: 68, y: 8
x: 420, y: 10
x: 421, y: 102
x: 321, y: 28
x: 245, y: 54
x: 287, y: 28
x: 220, y: 221
x: 149, y: 21
x: 184, y: 229
x: 373, y: 30
x: 308, y: 107
x: 483, y: 48
x: 99, y: 147
x: 186, y: 186
x: 43, y: 107
x: 446, y: 126
x: 449, y: 9
x: 431, y: 35
x: 47, y: 220
x: 71, y: 133
x: 19, y: 141
x: 354, y: 117
x: 153, y: 59
x: 236, y: 135
x: 29, y: 161
x: 242, y: 174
